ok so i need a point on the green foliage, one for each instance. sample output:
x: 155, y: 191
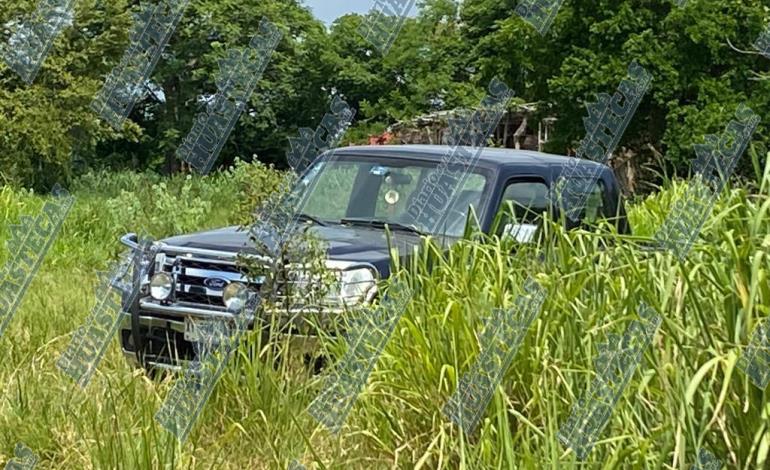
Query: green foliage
x: 686, y: 393
x: 46, y: 125
x: 700, y: 57
x: 49, y: 132
x: 426, y: 68
x: 699, y: 78
x: 286, y: 97
x: 109, y: 205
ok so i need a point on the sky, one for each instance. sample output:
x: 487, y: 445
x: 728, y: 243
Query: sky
x: 329, y: 10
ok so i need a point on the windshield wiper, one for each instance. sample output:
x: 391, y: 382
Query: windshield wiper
x: 306, y: 217
x: 382, y: 224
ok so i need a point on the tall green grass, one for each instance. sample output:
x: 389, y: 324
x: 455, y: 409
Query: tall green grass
x: 685, y: 394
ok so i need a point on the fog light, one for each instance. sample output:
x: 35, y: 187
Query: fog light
x: 235, y: 296
x: 161, y: 286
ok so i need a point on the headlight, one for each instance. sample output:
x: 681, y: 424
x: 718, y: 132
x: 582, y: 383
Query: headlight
x: 235, y: 296
x: 353, y: 286
x: 161, y: 286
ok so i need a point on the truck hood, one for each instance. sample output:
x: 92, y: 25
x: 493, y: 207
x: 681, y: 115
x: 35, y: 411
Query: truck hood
x: 344, y: 243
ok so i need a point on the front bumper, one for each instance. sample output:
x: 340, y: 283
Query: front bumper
x: 163, y: 326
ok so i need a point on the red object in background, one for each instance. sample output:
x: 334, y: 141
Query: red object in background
x: 383, y: 139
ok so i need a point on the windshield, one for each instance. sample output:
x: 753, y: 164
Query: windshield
x: 371, y: 191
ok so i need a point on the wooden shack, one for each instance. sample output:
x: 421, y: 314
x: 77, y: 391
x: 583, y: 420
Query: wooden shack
x: 518, y: 129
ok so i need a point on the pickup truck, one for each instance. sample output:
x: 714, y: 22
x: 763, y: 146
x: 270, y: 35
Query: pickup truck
x: 355, y: 194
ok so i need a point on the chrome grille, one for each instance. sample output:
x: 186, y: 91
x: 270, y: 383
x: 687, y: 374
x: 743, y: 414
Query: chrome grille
x: 190, y: 275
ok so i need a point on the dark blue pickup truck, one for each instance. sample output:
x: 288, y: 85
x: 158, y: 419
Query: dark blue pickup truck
x: 352, y: 195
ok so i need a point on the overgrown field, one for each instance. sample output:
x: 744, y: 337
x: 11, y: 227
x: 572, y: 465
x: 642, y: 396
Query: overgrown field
x: 686, y: 394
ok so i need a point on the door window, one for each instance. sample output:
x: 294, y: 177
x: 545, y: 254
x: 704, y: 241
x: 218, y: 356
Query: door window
x: 521, y: 207
x: 528, y: 200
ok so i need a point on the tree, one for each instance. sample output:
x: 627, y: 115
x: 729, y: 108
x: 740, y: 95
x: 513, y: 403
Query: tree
x: 284, y: 98
x: 698, y: 78
x: 426, y: 69
x: 47, y: 125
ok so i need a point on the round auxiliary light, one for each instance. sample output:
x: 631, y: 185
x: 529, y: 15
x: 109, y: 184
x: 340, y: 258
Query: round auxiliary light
x: 161, y: 286
x: 235, y: 296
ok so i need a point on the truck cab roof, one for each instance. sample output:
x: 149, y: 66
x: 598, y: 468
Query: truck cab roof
x: 487, y: 157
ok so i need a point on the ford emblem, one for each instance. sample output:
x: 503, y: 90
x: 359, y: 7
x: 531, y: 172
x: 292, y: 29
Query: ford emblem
x: 215, y: 283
